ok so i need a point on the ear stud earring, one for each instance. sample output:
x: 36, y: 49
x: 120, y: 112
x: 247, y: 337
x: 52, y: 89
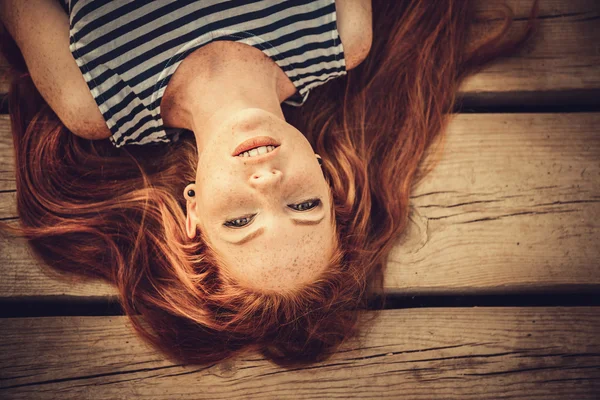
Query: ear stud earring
x: 191, y: 192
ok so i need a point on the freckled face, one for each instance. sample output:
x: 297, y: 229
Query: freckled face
x: 281, y: 206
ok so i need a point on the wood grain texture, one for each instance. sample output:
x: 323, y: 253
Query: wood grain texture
x: 23, y: 276
x: 512, y: 206
x: 560, y: 66
x: 469, y: 353
x: 7, y: 168
x: 4, y: 76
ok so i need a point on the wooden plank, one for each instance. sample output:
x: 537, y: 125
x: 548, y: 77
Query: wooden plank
x: 4, y: 77
x: 560, y: 66
x: 25, y: 277
x: 7, y: 167
x: 513, y: 206
x: 470, y: 353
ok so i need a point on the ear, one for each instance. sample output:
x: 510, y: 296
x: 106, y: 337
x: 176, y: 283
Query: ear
x: 191, y: 218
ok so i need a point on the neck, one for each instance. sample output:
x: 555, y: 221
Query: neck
x: 222, y: 84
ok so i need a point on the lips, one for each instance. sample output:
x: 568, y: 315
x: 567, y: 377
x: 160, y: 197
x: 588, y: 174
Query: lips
x: 254, y: 142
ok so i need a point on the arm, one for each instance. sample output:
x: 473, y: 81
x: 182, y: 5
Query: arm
x: 355, y: 25
x: 41, y: 30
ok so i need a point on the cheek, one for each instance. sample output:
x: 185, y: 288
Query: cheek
x: 213, y: 171
x: 216, y: 185
x: 314, y: 177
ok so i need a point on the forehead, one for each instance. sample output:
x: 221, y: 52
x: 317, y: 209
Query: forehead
x: 284, y: 256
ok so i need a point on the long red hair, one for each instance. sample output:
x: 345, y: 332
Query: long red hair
x: 90, y: 209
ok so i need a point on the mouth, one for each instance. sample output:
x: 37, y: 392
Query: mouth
x: 254, y: 157
x: 257, y: 151
x: 255, y: 147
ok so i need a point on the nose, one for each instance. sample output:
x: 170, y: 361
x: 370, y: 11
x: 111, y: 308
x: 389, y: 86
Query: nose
x: 265, y: 178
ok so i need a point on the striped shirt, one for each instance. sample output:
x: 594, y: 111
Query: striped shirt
x: 128, y: 51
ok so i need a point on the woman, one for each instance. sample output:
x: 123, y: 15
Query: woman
x: 280, y: 238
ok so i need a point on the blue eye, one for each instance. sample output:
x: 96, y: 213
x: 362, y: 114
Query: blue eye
x: 243, y: 221
x: 307, y: 205
x: 238, y: 222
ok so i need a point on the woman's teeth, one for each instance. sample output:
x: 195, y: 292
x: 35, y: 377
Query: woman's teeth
x: 257, y: 151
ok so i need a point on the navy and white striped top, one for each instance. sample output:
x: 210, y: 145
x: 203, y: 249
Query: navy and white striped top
x: 128, y: 50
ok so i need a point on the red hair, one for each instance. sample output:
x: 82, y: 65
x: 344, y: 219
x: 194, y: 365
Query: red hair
x: 90, y: 209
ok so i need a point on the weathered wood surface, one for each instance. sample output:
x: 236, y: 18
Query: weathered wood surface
x: 22, y: 277
x: 469, y: 353
x: 4, y: 77
x: 560, y: 66
x: 7, y: 167
x: 512, y: 206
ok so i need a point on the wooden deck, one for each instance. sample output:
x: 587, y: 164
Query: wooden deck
x: 465, y: 353
x: 511, y: 211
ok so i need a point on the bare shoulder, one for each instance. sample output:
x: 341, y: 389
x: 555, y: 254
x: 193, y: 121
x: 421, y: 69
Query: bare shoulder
x: 355, y: 25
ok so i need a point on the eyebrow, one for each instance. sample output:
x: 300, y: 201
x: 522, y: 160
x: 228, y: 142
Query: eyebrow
x: 261, y: 230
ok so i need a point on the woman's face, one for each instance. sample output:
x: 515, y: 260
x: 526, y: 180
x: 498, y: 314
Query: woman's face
x: 268, y: 218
